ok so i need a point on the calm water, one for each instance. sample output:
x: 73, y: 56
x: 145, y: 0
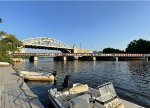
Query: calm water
x: 131, y: 79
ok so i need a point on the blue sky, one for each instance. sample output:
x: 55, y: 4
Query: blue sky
x: 96, y: 25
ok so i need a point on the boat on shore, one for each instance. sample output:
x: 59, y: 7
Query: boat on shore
x: 82, y: 96
x: 4, y: 64
x: 36, y: 76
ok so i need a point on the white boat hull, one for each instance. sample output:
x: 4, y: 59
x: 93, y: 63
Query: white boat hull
x: 56, y: 98
x: 53, y: 101
x: 35, y: 76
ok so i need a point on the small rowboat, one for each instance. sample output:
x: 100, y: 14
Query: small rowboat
x: 35, y: 76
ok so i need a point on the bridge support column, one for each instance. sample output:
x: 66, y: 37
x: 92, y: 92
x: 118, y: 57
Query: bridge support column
x: 33, y: 58
x: 116, y: 58
x: 75, y: 58
x: 94, y: 58
x: 146, y: 58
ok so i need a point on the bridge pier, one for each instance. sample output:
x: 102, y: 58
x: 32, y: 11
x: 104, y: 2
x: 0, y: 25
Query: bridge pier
x: 94, y: 58
x: 116, y: 58
x: 146, y: 58
x: 33, y: 58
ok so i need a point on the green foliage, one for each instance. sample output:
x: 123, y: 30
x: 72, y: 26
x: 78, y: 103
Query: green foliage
x: 140, y: 46
x: 112, y: 50
x: 8, y: 45
x: 3, y: 33
x: 5, y: 57
x: 98, y: 52
x: 1, y: 20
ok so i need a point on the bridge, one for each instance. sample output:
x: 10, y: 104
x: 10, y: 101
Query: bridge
x: 85, y: 56
x: 47, y: 44
x: 51, y: 44
x: 69, y: 53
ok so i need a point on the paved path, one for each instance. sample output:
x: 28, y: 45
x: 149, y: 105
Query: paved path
x: 14, y: 93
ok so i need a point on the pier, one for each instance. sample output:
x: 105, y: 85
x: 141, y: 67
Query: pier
x: 14, y: 93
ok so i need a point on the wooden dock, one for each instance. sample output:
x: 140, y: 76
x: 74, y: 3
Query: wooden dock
x: 14, y: 93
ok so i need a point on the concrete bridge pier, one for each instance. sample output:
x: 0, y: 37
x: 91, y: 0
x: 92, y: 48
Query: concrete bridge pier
x: 146, y: 58
x: 116, y: 58
x: 75, y: 57
x: 33, y: 58
x: 94, y: 58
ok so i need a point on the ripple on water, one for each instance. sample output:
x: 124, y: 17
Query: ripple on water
x: 130, y: 78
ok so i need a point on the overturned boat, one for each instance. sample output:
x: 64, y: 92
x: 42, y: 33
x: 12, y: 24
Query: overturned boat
x: 36, y: 76
x: 82, y: 96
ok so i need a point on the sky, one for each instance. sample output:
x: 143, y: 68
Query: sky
x: 94, y: 25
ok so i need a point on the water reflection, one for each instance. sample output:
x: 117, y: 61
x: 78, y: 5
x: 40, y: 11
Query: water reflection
x: 130, y: 78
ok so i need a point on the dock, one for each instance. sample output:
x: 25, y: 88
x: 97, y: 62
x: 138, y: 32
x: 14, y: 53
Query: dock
x: 14, y: 93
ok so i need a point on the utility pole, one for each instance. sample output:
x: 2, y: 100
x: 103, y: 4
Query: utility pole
x: 80, y: 45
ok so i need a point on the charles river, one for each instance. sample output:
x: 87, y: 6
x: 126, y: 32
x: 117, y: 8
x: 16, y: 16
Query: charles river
x: 131, y: 79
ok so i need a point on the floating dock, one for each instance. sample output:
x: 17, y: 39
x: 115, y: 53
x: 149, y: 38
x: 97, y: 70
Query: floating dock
x: 14, y: 93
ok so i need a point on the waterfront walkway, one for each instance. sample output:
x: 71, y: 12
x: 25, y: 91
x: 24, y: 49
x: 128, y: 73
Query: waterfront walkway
x: 14, y: 93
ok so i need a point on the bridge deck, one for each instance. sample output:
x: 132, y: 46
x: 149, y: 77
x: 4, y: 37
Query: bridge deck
x: 81, y: 54
x: 14, y: 93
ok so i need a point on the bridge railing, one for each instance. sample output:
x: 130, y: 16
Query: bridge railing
x: 81, y: 54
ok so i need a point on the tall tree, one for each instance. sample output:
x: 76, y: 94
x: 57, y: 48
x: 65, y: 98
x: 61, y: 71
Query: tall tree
x: 3, y: 33
x: 8, y: 44
x: 140, y: 46
x: 1, y: 20
x: 112, y: 50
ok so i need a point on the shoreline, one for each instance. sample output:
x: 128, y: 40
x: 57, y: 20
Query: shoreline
x: 14, y: 92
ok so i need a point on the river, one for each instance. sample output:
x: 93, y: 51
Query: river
x: 131, y: 79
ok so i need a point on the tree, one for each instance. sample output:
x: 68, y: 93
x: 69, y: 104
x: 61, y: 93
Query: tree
x: 140, y: 46
x: 8, y: 44
x: 112, y: 50
x: 3, y: 33
x: 1, y: 20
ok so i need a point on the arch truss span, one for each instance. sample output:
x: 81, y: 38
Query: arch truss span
x: 44, y: 42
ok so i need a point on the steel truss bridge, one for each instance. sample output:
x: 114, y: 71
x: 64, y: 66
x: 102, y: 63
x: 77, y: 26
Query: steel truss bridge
x: 47, y: 43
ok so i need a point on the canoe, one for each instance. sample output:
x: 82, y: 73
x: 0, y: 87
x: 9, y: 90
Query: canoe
x: 82, y: 96
x: 36, y: 76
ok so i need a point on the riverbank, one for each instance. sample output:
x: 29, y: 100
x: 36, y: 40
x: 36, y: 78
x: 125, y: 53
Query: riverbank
x: 14, y: 93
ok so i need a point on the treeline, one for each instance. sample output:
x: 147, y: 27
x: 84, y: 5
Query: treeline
x: 139, y: 46
x: 8, y: 44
